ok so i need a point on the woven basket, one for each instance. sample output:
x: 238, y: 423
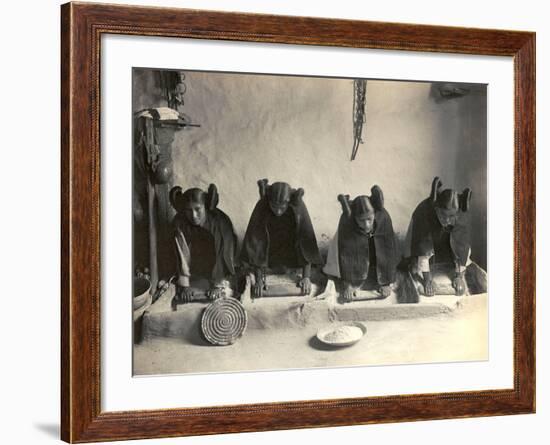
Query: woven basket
x: 223, y: 321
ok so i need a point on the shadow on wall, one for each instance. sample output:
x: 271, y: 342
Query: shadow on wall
x: 299, y: 130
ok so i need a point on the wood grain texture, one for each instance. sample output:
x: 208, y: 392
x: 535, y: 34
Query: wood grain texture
x: 82, y: 26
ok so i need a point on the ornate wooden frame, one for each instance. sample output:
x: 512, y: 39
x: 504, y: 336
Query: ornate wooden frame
x: 81, y: 28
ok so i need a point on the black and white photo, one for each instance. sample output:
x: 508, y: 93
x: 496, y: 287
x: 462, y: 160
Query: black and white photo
x: 297, y: 222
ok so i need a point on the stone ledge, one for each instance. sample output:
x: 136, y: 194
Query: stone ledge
x: 295, y: 313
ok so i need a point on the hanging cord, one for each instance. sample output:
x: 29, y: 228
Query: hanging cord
x: 359, y: 116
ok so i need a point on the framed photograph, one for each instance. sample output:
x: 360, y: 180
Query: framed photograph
x: 274, y: 222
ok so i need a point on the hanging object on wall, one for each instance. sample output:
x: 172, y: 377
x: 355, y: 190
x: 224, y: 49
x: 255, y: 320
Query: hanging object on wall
x: 154, y: 132
x: 452, y: 91
x: 359, y: 117
x: 173, y: 87
x: 172, y: 84
x: 154, y: 168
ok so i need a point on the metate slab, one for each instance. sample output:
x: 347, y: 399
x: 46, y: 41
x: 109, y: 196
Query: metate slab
x: 160, y: 320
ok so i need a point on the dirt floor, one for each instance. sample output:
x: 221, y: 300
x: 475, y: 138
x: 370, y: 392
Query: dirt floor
x: 458, y: 336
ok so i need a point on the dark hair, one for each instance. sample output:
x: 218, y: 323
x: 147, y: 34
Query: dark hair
x: 179, y: 199
x: 279, y: 192
x: 447, y: 199
x: 193, y: 195
x: 361, y: 205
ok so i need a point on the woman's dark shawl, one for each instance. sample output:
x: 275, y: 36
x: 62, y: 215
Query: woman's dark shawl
x: 219, y: 225
x: 353, y: 249
x: 255, y: 250
x: 426, y: 228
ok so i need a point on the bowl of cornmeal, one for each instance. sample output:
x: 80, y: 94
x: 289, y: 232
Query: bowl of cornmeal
x: 342, y: 334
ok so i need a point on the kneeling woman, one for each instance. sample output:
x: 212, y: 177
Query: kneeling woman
x: 205, y: 242
x: 363, y: 251
x: 280, y: 236
x: 439, y: 233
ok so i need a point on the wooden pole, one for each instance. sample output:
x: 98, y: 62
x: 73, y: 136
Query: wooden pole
x: 151, y: 198
x: 153, y: 263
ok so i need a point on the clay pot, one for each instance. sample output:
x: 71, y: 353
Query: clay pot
x: 142, y: 287
x: 163, y: 173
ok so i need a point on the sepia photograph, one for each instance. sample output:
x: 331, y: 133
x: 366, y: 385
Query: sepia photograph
x: 298, y: 222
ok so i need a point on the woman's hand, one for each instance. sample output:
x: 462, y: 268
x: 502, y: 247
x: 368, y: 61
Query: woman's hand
x: 259, y: 285
x: 348, y: 293
x: 305, y: 285
x: 459, y: 284
x: 429, y: 288
x: 184, y: 294
x: 385, y: 290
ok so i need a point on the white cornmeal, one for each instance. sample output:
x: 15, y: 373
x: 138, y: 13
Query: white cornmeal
x: 344, y: 334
